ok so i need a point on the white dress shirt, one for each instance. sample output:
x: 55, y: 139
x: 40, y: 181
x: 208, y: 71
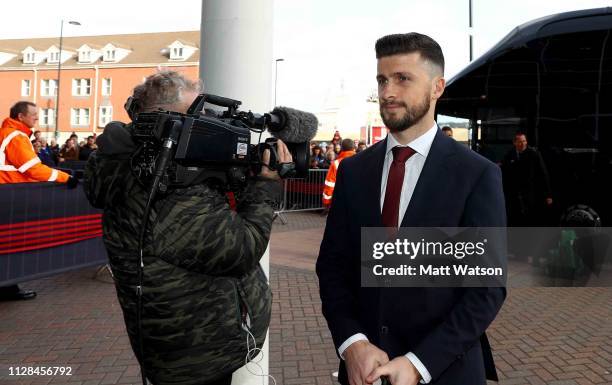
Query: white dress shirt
x: 414, y: 166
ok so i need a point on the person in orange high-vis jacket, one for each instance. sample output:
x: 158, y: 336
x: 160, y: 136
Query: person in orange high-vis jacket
x: 347, y: 150
x: 18, y: 161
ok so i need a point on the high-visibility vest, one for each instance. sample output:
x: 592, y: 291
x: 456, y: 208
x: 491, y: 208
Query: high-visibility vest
x: 330, y: 179
x: 18, y: 161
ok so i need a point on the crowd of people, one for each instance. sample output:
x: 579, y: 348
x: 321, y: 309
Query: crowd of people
x: 323, y: 154
x: 52, y: 155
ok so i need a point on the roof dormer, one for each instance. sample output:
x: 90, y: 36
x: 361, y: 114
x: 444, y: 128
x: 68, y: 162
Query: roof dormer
x: 112, y: 53
x: 109, y: 52
x: 31, y: 56
x: 181, y: 50
x: 53, y: 55
x: 88, y: 53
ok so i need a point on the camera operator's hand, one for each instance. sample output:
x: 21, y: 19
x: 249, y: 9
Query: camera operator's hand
x: 284, y: 156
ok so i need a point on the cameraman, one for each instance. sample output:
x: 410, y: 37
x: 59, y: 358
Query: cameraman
x: 203, y: 287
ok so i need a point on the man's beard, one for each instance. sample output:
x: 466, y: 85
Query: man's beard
x: 410, y: 118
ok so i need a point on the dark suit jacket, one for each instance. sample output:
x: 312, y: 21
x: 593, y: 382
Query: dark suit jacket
x: 526, y: 186
x: 443, y: 327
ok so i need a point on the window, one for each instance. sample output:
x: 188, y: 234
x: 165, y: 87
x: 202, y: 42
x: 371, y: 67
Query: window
x: 109, y: 55
x: 79, y: 117
x: 48, y: 87
x: 106, y: 86
x: 106, y: 115
x: 81, y: 87
x: 85, y: 56
x: 29, y: 57
x: 25, y: 87
x: 47, y: 116
x: 53, y: 57
x: 177, y: 53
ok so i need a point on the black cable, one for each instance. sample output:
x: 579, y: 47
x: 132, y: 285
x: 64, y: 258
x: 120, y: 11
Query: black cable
x: 139, y: 287
x: 164, y: 158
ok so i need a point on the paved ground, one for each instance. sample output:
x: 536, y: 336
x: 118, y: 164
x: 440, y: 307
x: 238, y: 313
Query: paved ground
x: 556, y: 336
x: 75, y: 322
x: 542, y: 336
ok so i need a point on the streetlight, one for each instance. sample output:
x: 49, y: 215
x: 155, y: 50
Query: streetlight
x: 276, y: 78
x: 59, y: 71
x: 470, y: 24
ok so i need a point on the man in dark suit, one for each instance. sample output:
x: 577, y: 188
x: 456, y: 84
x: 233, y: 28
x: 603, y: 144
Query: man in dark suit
x: 526, y: 184
x: 416, y: 177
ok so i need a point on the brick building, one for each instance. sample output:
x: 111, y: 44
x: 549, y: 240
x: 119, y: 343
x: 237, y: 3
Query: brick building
x: 98, y: 73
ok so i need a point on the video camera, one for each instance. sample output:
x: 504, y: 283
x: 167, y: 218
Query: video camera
x: 184, y: 149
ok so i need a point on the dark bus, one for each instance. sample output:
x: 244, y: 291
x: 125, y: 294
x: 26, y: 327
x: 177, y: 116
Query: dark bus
x: 550, y: 78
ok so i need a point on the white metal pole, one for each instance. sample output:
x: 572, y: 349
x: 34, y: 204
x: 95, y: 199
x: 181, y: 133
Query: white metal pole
x: 236, y: 62
x: 236, y: 56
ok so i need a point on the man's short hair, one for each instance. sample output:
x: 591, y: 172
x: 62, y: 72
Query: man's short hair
x: 447, y: 128
x: 347, y: 145
x: 162, y: 90
x: 405, y: 43
x: 20, y: 108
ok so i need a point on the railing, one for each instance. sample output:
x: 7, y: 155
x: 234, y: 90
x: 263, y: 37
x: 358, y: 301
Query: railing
x: 302, y: 194
x: 46, y: 229
x: 73, y: 167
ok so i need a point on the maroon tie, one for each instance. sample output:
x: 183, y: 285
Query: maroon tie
x: 395, y: 180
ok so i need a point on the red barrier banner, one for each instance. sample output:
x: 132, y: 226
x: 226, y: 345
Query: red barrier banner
x: 47, y: 229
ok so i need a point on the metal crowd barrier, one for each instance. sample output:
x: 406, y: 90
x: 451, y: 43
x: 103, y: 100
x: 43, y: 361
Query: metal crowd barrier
x: 47, y: 229
x: 302, y: 194
x: 73, y: 167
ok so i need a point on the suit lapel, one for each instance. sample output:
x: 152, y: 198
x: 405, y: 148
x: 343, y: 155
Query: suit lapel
x: 434, y: 170
x: 373, y: 174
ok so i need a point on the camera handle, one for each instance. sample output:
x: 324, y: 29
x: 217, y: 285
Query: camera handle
x: 285, y: 170
x: 198, y: 104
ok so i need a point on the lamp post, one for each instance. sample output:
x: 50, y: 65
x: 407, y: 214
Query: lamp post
x: 276, y: 78
x: 59, y: 72
x: 470, y: 25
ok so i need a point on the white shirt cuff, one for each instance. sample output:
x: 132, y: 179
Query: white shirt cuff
x: 425, y: 376
x: 349, y: 341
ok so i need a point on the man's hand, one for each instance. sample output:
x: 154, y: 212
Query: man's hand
x: 399, y: 371
x: 361, y: 359
x: 284, y: 156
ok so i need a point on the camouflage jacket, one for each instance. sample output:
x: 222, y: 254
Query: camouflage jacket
x: 202, y: 274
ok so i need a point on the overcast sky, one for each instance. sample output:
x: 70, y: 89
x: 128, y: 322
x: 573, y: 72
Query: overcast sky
x: 325, y: 43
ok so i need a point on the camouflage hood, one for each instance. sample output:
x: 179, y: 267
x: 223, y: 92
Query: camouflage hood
x: 202, y: 278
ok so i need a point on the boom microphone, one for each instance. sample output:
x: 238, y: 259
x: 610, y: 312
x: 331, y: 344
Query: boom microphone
x: 291, y: 125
